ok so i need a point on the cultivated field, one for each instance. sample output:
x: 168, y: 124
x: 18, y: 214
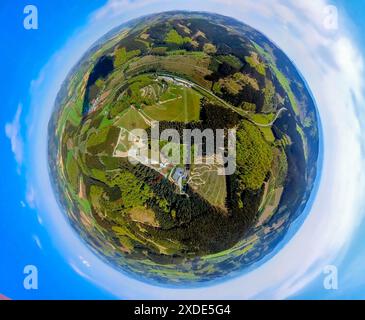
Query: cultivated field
x: 205, y: 180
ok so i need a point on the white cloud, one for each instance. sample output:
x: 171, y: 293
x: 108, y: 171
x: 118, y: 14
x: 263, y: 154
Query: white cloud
x: 36, y: 83
x: 13, y: 132
x: 333, y: 67
x: 85, y: 262
x: 40, y: 220
x: 115, y: 8
x: 37, y: 241
x: 31, y: 197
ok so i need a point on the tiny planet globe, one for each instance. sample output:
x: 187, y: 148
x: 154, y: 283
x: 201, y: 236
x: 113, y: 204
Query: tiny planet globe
x: 145, y: 192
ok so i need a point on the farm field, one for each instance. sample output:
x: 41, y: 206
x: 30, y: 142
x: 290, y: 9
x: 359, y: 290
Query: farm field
x: 193, y: 66
x: 185, y: 107
x: 131, y: 119
x: 212, y: 187
x: 263, y: 121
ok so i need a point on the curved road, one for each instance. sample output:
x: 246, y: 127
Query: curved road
x: 272, y: 122
x: 193, y: 84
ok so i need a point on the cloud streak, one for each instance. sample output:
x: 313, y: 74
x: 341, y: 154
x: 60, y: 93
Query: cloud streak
x: 13, y: 132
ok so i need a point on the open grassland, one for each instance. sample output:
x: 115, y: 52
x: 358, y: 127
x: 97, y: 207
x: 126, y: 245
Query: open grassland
x: 268, y: 134
x: 255, y: 63
x: 263, y: 121
x: 304, y: 140
x: 193, y: 66
x: 271, y: 204
x: 274, y: 186
x: 71, y: 113
x: 212, y: 187
x: 144, y: 216
x: 131, y: 119
x: 185, y: 107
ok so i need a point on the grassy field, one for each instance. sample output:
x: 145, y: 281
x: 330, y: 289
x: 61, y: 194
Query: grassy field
x: 305, y: 143
x: 254, y: 62
x: 71, y: 113
x: 264, y: 119
x: 174, y: 37
x: 131, y: 120
x: 281, y: 77
x: 271, y: 205
x: 268, y: 134
x: 274, y: 187
x: 184, y: 108
x: 209, y: 184
x: 98, y: 137
x: 193, y: 66
x: 72, y: 171
x: 144, y: 216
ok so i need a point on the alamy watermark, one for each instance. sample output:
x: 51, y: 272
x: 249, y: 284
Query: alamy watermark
x: 330, y: 281
x: 330, y: 18
x: 182, y: 156
x: 30, y: 21
x: 168, y: 148
x: 30, y: 281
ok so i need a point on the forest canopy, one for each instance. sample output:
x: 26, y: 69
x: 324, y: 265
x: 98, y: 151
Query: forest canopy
x: 254, y: 156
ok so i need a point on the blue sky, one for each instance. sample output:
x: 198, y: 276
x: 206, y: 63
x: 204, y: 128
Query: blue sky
x: 65, y: 31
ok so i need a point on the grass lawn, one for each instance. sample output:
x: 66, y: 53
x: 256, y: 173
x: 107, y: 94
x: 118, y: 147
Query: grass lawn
x: 131, y: 120
x: 263, y: 119
x: 304, y: 140
x: 268, y: 134
x: 184, y: 108
x: 144, y: 216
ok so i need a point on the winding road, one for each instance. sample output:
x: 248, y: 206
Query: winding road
x: 193, y: 84
x: 273, y: 121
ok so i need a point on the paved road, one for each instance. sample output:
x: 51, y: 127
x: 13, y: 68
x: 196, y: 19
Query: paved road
x: 193, y: 84
x: 272, y: 122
